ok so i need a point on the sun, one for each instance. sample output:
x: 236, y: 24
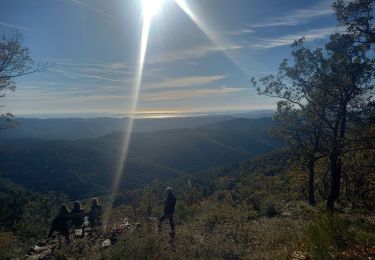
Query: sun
x: 151, y: 7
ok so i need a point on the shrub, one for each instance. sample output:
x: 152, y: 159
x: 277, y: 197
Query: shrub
x: 271, y: 211
x: 327, y: 234
x: 9, y: 245
x: 300, y: 209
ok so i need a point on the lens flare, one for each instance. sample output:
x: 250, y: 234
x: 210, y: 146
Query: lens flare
x: 211, y: 35
x: 150, y: 8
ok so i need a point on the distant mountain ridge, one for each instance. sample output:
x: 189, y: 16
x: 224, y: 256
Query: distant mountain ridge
x: 86, y: 167
x: 83, y: 128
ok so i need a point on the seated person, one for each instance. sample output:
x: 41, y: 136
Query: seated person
x: 77, y: 216
x: 60, y: 224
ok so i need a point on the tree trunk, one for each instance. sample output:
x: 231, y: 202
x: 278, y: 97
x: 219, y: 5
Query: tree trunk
x: 311, y: 182
x: 336, y: 163
x: 345, y: 179
x: 332, y: 192
x: 335, y: 180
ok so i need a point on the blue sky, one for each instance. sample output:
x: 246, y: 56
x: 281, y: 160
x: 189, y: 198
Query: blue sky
x: 94, y: 45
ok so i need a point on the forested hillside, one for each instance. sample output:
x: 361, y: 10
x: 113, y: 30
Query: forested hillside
x: 86, y: 167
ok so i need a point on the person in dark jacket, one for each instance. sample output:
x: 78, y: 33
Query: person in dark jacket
x: 60, y: 224
x: 169, y: 207
x: 77, y: 215
x: 95, y: 213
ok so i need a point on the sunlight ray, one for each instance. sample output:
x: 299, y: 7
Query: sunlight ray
x: 219, y: 42
x: 134, y: 102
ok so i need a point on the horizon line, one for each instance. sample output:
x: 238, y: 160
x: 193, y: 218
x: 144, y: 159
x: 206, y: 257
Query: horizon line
x: 138, y: 115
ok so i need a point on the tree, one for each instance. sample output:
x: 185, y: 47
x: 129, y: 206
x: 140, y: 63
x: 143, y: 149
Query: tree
x: 358, y: 17
x: 298, y: 122
x: 331, y: 86
x: 351, y: 81
x: 15, y: 61
x: 303, y: 137
x: 13, y: 200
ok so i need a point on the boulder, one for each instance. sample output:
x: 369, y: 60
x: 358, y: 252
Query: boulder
x: 42, y: 243
x: 106, y: 243
x: 46, y: 254
x: 299, y: 255
x: 79, y: 233
x: 35, y: 249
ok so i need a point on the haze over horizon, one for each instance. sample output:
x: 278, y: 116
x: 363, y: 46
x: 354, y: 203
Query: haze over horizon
x: 152, y: 114
x: 93, y: 48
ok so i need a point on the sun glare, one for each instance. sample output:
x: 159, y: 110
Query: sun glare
x: 151, y: 7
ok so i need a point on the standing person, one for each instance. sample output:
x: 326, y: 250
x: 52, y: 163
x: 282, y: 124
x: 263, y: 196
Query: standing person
x: 95, y: 213
x: 60, y: 224
x: 77, y: 215
x: 169, y: 206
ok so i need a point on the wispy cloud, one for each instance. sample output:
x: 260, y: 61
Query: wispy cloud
x: 74, y: 75
x: 175, y: 95
x: 99, y: 65
x: 67, y: 96
x: 298, y: 16
x: 14, y: 26
x: 107, y: 71
x: 242, y: 31
x: 189, y: 81
x: 192, y: 53
x: 310, y: 35
x: 90, y: 7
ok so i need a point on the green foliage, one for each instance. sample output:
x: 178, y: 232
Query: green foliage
x: 326, y: 234
x: 38, y: 213
x: 15, y: 62
x: 10, y: 245
x: 139, y: 246
x: 25, y: 217
x: 329, y: 235
x: 326, y: 93
x: 301, y: 209
x: 358, y: 18
x: 359, y: 178
x: 363, y: 232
